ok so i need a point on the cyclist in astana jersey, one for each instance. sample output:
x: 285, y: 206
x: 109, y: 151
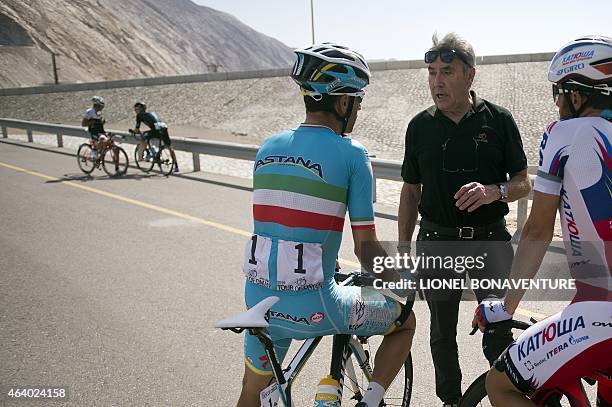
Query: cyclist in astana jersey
x: 304, y: 181
x: 574, y: 178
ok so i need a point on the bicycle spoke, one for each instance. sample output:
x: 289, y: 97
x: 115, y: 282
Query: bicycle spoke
x: 398, y: 393
x: 115, y: 161
x: 85, y: 158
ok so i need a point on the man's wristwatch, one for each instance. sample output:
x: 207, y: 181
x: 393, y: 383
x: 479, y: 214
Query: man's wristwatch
x: 503, y: 191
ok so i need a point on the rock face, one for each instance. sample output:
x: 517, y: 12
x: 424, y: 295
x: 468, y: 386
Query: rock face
x: 120, y: 39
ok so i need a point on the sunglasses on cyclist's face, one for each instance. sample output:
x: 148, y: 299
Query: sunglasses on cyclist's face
x: 556, y: 91
x: 446, y: 55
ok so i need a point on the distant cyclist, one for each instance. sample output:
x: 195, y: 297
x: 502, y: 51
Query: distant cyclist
x: 574, y: 178
x: 94, y: 122
x: 158, y: 129
x: 304, y: 181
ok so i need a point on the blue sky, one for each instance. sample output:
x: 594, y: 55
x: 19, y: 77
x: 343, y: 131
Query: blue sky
x: 402, y: 29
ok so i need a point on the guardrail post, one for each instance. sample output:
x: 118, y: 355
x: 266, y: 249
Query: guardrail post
x: 30, y: 138
x: 4, y: 132
x: 60, y: 140
x: 196, y: 161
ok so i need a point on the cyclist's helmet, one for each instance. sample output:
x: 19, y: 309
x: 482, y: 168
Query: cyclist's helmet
x: 140, y: 103
x: 97, y: 100
x: 584, y: 64
x: 330, y: 69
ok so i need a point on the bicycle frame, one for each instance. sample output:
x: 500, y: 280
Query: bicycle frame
x: 343, y: 347
x: 108, y: 145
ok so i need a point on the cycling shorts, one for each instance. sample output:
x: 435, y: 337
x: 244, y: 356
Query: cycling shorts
x: 98, y: 137
x: 561, y: 349
x: 160, y: 134
x: 330, y: 310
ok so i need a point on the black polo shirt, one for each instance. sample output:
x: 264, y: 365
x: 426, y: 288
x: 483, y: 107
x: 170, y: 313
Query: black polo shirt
x: 485, y: 146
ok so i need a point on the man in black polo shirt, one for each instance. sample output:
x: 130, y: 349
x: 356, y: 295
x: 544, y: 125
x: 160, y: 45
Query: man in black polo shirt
x: 464, y: 161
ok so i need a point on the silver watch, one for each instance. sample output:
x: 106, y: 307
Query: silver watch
x: 503, y: 190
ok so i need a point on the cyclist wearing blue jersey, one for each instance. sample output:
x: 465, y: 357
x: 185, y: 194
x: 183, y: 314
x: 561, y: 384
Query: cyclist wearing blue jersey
x: 573, y: 179
x: 304, y: 181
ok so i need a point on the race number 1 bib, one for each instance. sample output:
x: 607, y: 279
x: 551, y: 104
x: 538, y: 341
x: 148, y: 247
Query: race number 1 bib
x: 299, y: 266
x: 256, y: 255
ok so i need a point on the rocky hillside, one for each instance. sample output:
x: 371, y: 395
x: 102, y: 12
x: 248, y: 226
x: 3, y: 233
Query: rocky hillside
x: 119, y: 39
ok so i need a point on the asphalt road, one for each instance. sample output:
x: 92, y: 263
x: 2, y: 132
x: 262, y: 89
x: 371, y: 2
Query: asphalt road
x: 112, y: 286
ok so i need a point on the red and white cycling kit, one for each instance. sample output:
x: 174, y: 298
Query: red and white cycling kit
x: 575, y: 164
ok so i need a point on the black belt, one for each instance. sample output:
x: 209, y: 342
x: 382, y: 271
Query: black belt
x: 463, y: 232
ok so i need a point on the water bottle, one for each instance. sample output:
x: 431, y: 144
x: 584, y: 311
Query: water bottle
x: 327, y: 392
x: 153, y: 152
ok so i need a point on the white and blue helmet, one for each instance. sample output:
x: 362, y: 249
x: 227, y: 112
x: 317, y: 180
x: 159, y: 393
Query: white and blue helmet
x: 330, y: 69
x: 97, y: 100
x: 584, y: 64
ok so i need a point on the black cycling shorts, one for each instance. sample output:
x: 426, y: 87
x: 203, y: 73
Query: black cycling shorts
x: 161, y: 134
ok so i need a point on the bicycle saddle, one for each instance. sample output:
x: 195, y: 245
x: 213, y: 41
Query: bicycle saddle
x: 255, y: 317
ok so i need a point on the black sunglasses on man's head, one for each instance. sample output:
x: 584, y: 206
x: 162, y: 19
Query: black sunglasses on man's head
x: 446, y: 55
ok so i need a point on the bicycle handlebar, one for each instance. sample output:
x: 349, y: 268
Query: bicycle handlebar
x: 355, y: 278
x: 511, y: 324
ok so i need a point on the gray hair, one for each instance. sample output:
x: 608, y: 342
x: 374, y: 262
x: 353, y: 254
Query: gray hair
x: 460, y: 45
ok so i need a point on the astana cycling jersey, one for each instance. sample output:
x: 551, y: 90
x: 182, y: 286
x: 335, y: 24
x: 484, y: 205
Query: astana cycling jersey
x: 304, y: 182
x: 575, y: 164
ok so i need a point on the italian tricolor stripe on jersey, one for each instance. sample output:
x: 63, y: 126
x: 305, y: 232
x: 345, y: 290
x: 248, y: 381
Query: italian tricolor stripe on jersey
x: 362, y: 223
x: 310, y: 187
x: 298, y: 202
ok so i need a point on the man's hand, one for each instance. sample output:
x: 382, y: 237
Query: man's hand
x: 136, y: 131
x: 490, y: 311
x: 473, y: 195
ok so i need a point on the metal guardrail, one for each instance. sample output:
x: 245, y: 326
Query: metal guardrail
x: 383, y: 169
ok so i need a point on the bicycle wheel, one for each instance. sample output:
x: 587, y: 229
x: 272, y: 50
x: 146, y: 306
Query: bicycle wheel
x: 398, y: 393
x: 143, y: 159
x: 476, y: 394
x: 85, y: 158
x: 115, y: 161
x: 165, y: 161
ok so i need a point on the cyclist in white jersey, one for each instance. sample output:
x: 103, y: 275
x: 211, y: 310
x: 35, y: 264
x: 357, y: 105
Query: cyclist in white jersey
x: 305, y: 180
x: 574, y: 178
x: 93, y: 120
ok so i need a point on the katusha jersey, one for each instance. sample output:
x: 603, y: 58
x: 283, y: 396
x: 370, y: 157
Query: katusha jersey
x: 304, y: 181
x: 575, y: 163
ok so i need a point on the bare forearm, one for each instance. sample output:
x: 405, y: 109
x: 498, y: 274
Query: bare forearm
x: 408, y: 212
x: 527, y: 260
x: 519, y: 186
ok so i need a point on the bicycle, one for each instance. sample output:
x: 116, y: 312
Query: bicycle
x: 349, y: 355
x: 476, y: 393
x: 89, y: 158
x: 147, y: 155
